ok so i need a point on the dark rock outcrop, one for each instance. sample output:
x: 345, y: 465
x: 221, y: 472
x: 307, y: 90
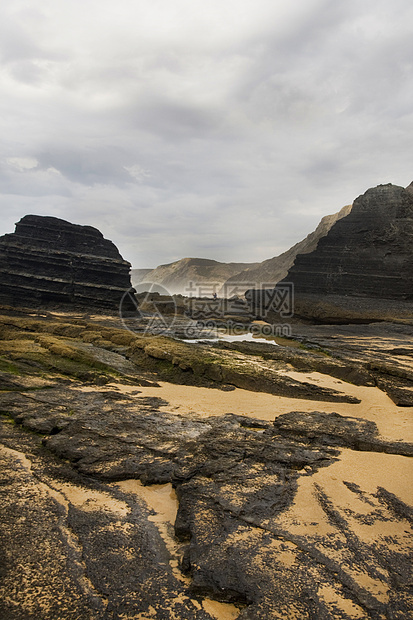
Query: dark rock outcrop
x: 304, y: 514
x: 235, y: 479
x: 48, y: 261
x: 363, y: 268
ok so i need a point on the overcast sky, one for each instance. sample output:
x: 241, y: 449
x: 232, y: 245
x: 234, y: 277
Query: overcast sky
x: 218, y: 128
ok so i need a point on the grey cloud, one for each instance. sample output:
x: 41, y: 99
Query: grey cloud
x: 88, y: 165
x: 16, y: 43
x: 202, y: 136
x: 177, y: 120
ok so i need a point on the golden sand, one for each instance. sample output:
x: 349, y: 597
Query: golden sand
x: 306, y: 516
x: 394, y: 423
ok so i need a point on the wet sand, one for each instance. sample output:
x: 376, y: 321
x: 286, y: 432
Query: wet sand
x: 357, y: 506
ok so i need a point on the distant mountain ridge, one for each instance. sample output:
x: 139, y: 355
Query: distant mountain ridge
x: 228, y: 279
x: 202, y: 275
x: 272, y: 270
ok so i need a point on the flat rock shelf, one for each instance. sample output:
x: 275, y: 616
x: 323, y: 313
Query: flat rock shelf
x: 147, y: 478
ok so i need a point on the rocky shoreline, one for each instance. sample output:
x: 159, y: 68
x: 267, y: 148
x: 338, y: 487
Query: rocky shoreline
x: 119, y: 503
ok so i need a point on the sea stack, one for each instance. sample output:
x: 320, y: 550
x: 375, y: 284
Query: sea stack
x: 50, y: 262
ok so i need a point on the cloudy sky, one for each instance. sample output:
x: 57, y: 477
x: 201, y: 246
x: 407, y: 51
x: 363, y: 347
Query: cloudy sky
x: 217, y: 128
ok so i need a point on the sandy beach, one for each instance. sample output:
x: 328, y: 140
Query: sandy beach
x: 393, y: 422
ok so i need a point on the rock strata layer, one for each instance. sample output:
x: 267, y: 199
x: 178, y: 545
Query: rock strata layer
x: 49, y: 261
x: 363, y: 268
x: 368, y: 253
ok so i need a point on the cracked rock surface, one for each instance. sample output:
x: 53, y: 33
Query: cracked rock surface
x: 116, y: 505
x: 236, y: 479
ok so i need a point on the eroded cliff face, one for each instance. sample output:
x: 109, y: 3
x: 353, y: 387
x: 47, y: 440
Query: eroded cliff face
x: 48, y: 261
x: 363, y: 268
x: 368, y: 253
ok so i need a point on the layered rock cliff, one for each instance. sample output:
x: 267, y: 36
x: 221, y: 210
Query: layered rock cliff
x: 48, y: 261
x: 363, y: 267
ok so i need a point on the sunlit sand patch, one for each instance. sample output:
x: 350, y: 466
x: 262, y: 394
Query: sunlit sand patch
x: 368, y: 470
x: 335, y: 601
x: 393, y: 423
x: 220, y: 611
x: 360, y: 509
x: 305, y: 516
x: 161, y: 498
x: 90, y: 500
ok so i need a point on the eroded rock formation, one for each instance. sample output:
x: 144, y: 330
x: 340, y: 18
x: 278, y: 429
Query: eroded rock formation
x: 118, y: 502
x: 50, y: 261
x: 363, y: 268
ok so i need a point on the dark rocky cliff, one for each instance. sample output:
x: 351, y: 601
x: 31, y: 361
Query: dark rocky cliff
x: 367, y: 253
x: 48, y: 261
x: 363, y: 268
